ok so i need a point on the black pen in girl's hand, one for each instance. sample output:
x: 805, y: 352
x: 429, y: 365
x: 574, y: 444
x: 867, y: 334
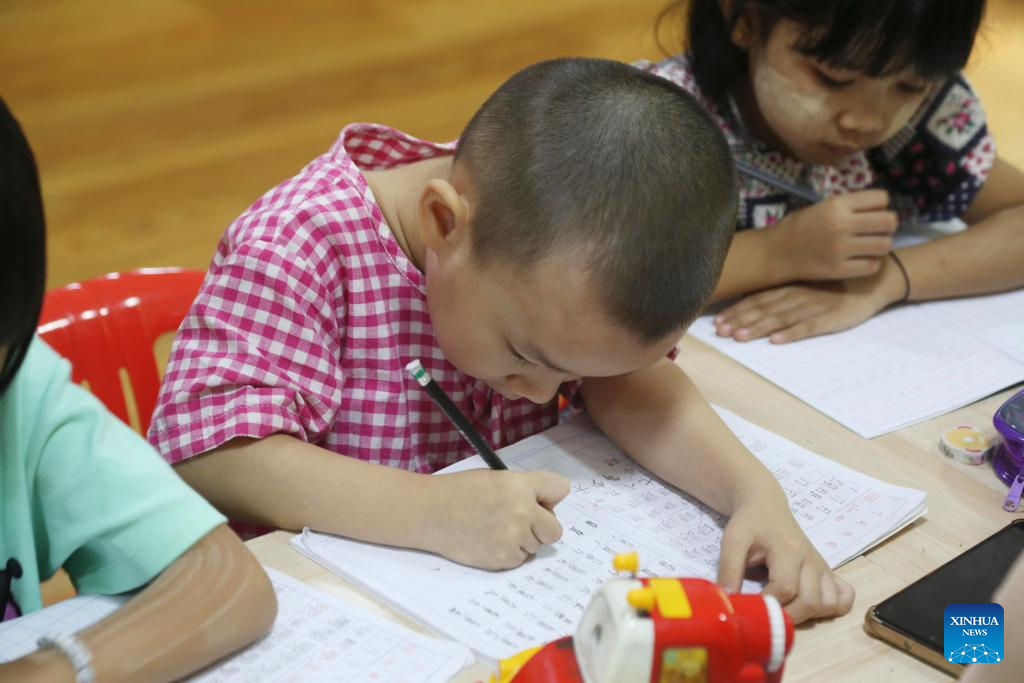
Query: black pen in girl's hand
x: 799, y: 191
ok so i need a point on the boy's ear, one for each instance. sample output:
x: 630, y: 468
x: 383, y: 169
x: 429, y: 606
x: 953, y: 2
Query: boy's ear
x: 444, y: 216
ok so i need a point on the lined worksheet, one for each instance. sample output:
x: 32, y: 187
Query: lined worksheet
x: 614, y: 506
x: 901, y: 367
x: 316, y: 638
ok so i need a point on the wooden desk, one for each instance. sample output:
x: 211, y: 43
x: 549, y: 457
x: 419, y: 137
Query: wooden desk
x: 965, y: 506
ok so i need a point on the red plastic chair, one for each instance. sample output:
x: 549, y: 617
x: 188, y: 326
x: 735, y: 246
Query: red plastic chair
x: 107, y: 327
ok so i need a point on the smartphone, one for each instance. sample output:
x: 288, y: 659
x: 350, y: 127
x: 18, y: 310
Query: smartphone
x: 912, y: 619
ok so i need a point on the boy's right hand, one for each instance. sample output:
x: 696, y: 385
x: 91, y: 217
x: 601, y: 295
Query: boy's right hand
x: 495, y: 519
x: 841, y: 237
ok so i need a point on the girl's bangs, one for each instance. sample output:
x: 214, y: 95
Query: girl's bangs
x: 934, y: 40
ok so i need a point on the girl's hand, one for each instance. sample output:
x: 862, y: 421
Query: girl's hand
x: 845, y: 236
x: 797, y: 574
x: 495, y: 520
x: 799, y: 311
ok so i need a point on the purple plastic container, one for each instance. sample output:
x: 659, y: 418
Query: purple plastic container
x: 1008, y: 461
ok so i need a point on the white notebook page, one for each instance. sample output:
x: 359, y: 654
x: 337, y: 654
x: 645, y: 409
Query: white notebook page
x: 614, y: 506
x: 903, y: 366
x: 18, y: 636
x: 316, y: 638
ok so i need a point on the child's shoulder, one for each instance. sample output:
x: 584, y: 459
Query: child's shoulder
x: 42, y: 372
x: 328, y: 205
x: 43, y: 401
x: 952, y: 118
x: 938, y: 162
x: 678, y: 70
x: 329, y: 192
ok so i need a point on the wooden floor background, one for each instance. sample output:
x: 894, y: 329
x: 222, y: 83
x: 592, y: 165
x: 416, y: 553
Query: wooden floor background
x: 156, y: 122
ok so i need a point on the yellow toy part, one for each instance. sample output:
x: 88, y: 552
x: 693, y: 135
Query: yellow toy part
x: 667, y: 594
x: 508, y: 668
x: 626, y: 562
x: 671, y: 598
x: 641, y: 599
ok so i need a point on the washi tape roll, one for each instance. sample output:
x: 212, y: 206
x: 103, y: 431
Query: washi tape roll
x: 966, y: 444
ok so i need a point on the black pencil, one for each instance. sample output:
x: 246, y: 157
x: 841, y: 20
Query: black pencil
x: 422, y: 377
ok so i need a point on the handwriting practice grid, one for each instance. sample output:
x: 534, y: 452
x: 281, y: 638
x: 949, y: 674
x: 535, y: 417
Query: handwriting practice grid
x: 995, y: 318
x: 318, y: 638
x: 18, y: 636
x: 614, y: 506
x: 842, y: 511
x: 903, y: 366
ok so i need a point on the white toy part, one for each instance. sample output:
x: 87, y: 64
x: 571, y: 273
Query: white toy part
x: 613, y: 643
x: 777, y: 624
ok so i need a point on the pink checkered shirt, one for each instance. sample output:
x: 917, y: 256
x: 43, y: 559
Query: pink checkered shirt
x: 306, y: 320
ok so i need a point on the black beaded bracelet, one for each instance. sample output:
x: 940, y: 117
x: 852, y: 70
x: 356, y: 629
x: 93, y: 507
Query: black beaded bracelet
x: 906, y: 278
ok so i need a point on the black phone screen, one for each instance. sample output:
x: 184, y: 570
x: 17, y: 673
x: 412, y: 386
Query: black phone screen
x: 918, y: 609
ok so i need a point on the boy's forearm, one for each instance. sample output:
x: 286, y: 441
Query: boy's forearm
x: 661, y: 420
x: 986, y: 257
x: 287, y: 483
x: 750, y: 265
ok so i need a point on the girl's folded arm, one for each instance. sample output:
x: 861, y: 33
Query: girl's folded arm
x: 986, y: 257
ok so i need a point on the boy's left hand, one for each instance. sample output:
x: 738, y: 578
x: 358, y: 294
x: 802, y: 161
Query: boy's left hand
x: 797, y: 574
x: 793, y: 312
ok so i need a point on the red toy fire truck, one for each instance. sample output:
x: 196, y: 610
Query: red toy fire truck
x: 638, y: 630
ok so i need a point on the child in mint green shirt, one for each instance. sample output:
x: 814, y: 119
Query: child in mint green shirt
x: 80, y: 490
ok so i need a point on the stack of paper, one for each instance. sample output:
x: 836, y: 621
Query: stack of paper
x: 316, y: 637
x: 615, y: 506
x: 903, y: 366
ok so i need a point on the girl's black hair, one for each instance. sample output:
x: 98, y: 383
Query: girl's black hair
x: 875, y: 37
x: 22, y: 246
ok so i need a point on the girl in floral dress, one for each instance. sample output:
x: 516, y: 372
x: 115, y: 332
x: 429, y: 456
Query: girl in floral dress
x: 863, y: 103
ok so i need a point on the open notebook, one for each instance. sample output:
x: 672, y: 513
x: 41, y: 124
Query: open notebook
x: 903, y: 366
x: 316, y: 637
x: 615, y: 506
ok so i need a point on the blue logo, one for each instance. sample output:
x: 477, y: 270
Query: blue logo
x: 973, y: 632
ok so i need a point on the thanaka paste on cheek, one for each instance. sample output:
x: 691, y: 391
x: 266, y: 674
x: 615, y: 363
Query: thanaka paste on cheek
x: 787, y: 106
